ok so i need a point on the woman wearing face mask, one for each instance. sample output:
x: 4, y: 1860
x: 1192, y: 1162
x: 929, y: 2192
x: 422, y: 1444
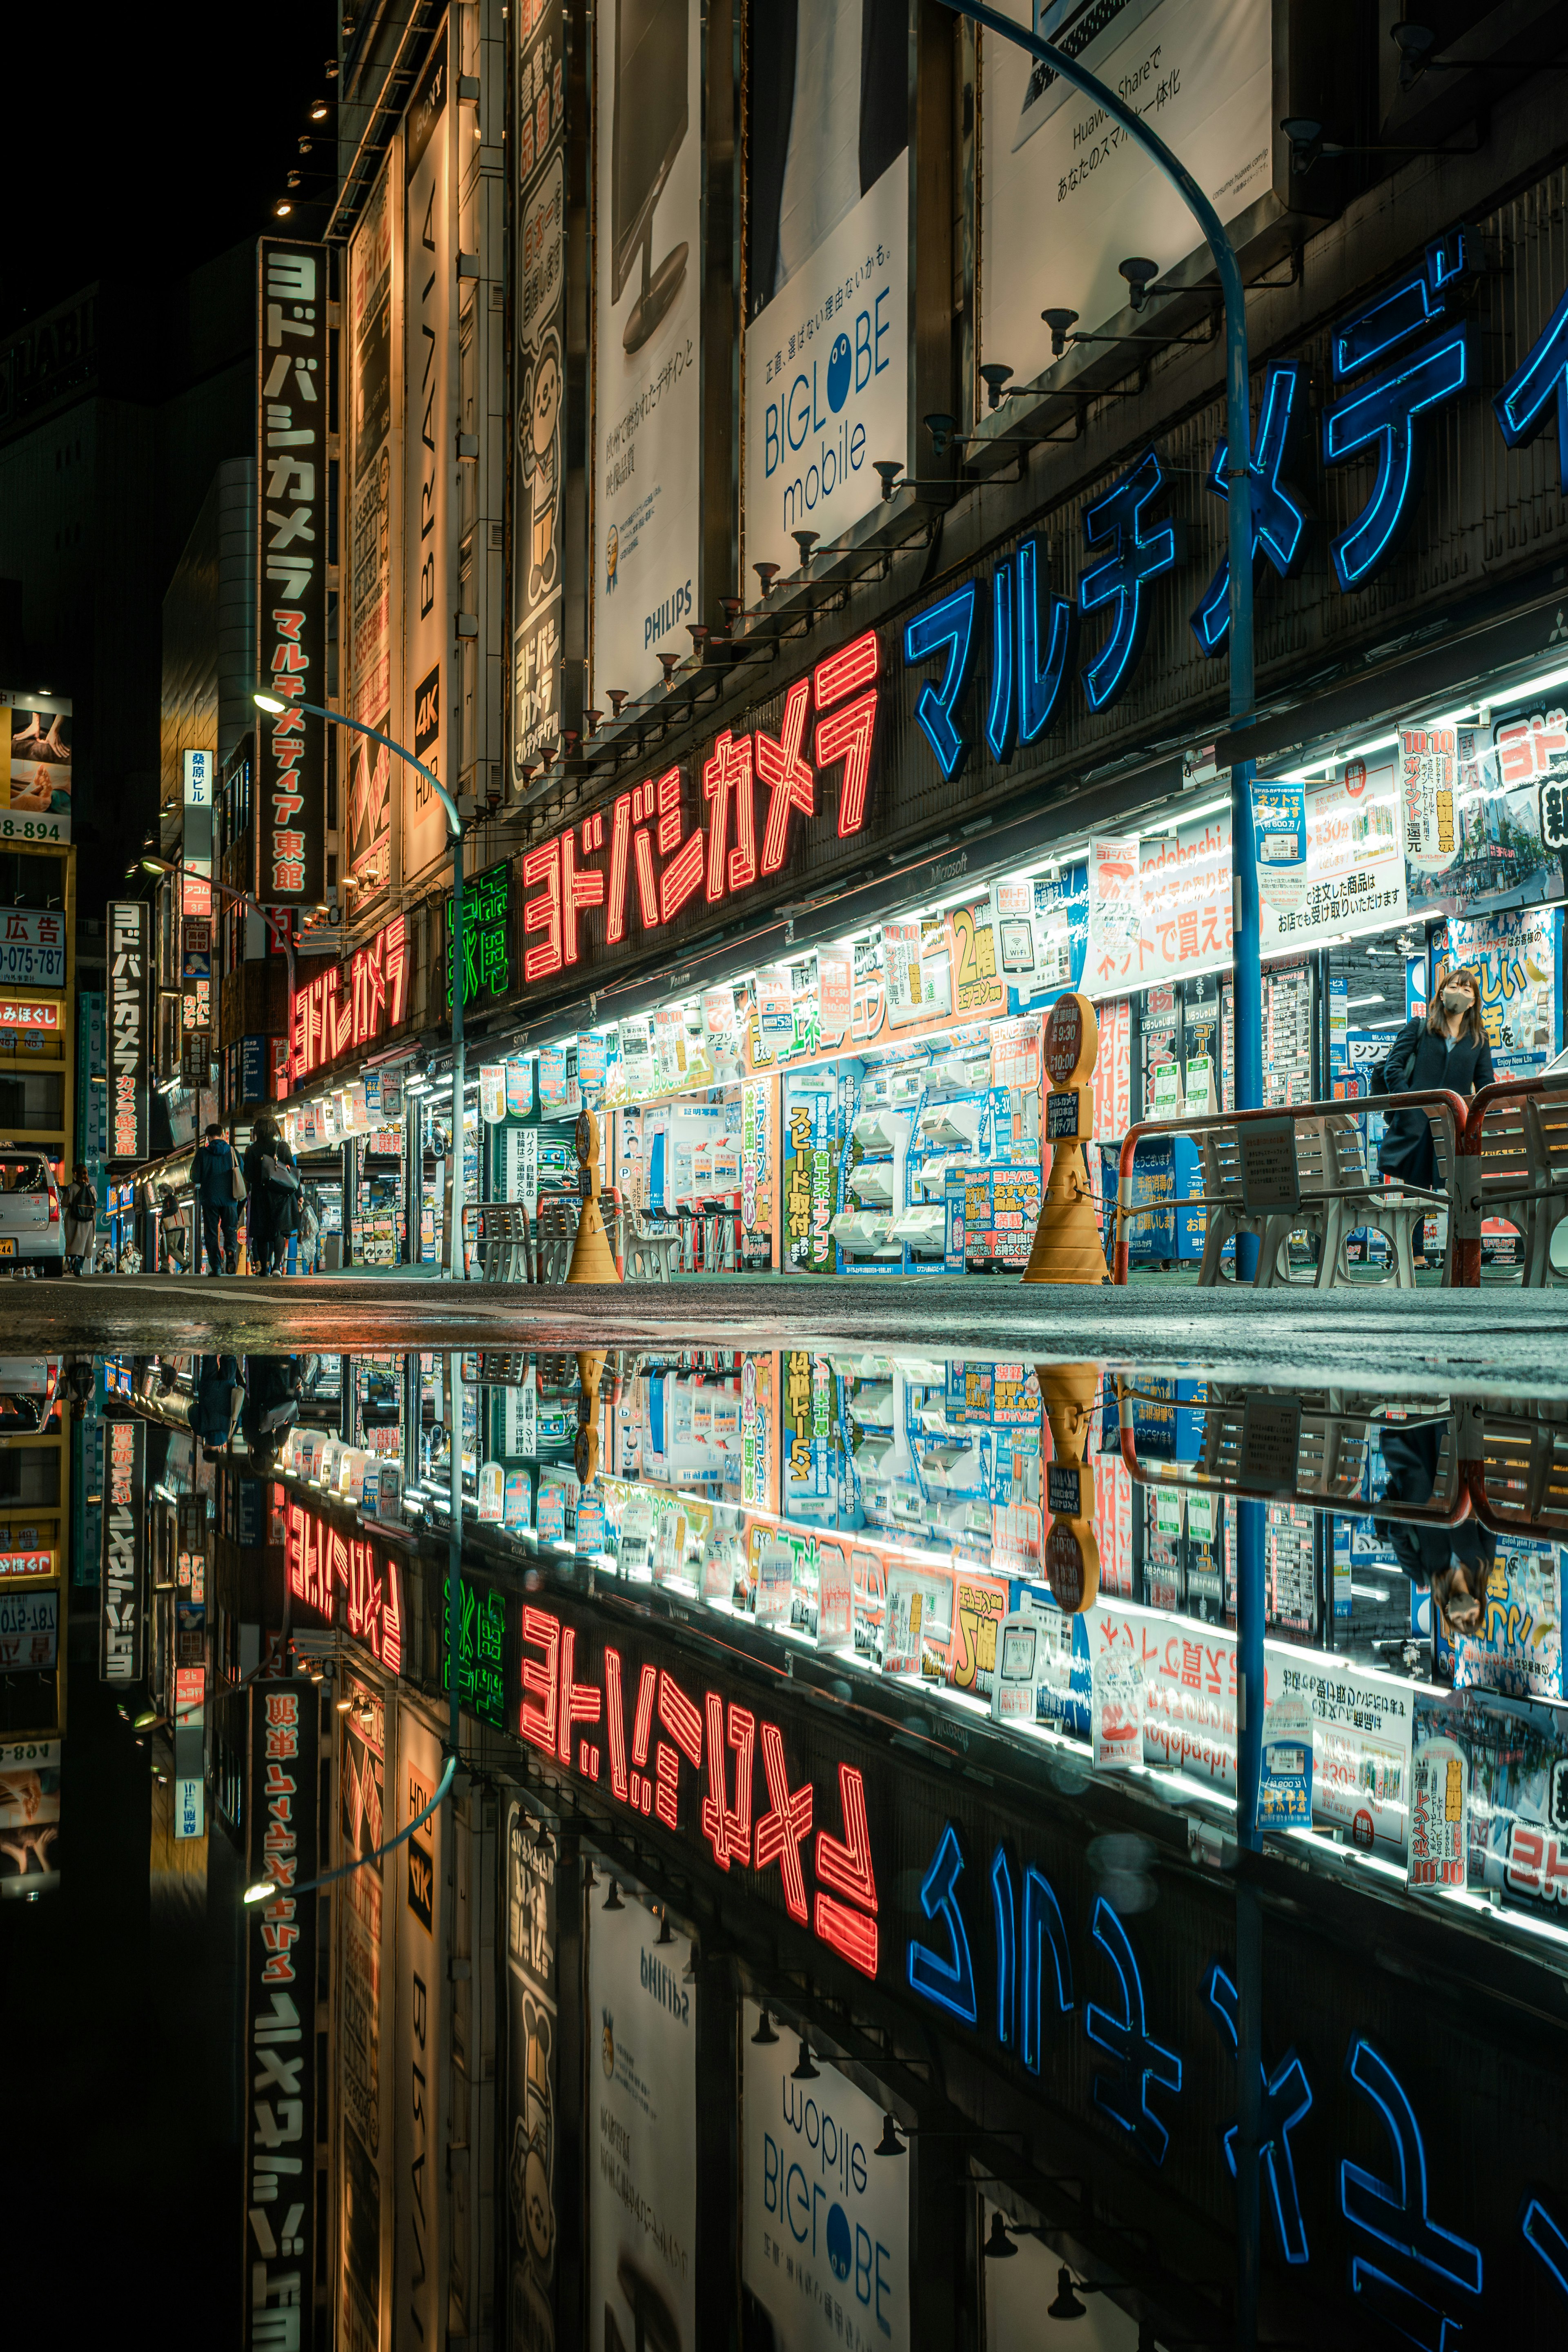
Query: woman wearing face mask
x: 1447, y: 1049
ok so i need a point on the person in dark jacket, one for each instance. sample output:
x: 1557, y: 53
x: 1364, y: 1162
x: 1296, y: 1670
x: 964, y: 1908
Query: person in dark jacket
x: 1447, y: 1049
x: 212, y: 1188
x: 273, y: 1201
x: 1453, y: 1562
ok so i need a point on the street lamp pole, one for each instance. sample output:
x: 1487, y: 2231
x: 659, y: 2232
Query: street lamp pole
x: 1248, y: 997
x: 266, y: 701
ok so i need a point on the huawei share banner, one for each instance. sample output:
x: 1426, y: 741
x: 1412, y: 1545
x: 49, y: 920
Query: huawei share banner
x: 828, y: 379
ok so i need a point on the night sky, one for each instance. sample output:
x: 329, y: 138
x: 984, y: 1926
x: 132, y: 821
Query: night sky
x: 134, y: 134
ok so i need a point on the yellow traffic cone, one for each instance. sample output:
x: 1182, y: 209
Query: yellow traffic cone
x: 592, y: 1260
x: 1072, y: 1554
x: 1068, y: 1247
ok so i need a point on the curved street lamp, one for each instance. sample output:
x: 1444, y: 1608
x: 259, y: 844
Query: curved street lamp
x: 275, y: 703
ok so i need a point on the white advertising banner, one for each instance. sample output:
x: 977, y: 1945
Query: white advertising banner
x: 417, y: 1876
x: 374, y: 525
x: 647, y: 307
x: 1158, y: 906
x: 826, y: 341
x: 825, y: 2240
x: 1353, y: 879
x: 642, y: 2110
x: 429, y: 502
x: 1066, y: 195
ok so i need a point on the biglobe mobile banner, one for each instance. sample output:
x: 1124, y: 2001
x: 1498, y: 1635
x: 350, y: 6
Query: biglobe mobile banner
x: 826, y: 356
x: 1066, y: 196
x: 826, y: 2235
x: 648, y: 419
x: 642, y: 2125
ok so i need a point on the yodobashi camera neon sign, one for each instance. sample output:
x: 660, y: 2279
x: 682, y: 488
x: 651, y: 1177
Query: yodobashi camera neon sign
x: 658, y: 851
x: 646, y: 1731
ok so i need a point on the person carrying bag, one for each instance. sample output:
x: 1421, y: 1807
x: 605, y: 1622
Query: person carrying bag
x: 274, y: 1179
x: 1447, y: 1049
x: 218, y: 1187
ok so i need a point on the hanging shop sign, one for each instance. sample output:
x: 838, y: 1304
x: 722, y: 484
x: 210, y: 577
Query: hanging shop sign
x: 538, y: 471
x: 280, y: 2009
x: 430, y: 374
x: 130, y: 1130
x: 374, y: 335
x: 349, y: 1006
x: 531, y: 2119
x: 292, y: 345
x: 486, y: 939
x: 341, y: 1577
x: 1350, y: 876
x: 747, y: 813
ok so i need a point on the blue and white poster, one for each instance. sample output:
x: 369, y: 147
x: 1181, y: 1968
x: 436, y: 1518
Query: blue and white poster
x: 827, y: 330
x: 825, y: 2231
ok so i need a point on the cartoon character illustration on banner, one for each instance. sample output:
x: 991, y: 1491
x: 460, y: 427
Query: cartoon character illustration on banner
x: 540, y: 433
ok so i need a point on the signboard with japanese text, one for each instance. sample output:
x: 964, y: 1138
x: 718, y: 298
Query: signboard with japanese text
x: 1515, y: 953
x: 1055, y: 166
x: 539, y: 463
x: 828, y: 277
x: 531, y: 2122
x: 641, y: 2032
x: 1158, y: 906
x: 365, y: 1962
x: 429, y: 362
x: 826, y: 2226
x: 122, y: 1600
x: 349, y: 1006
x: 416, y: 1884
x: 672, y: 848
x: 487, y: 938
x: 279, y: 2056
x: 289, y: 778
x: 374, y: 413
x: 1354, y: 876
x: 646, y: 533
x: 33, y: 948
x: 130, y: 1129
x: 36, y: 772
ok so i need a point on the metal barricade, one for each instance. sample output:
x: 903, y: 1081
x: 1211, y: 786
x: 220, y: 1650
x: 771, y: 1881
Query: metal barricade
x: 1513, y: 1158
x: 1268, y: 1175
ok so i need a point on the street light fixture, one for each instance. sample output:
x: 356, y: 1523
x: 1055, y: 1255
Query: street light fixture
x: 275, y: 703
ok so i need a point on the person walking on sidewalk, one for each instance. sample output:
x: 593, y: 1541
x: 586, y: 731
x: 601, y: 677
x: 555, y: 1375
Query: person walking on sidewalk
x: 82, y: 1219
x: 1447, y: 1049
x: 273, y: 1175
x: 215, y: 1172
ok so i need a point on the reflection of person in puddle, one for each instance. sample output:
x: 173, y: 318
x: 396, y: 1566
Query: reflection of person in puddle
x: 1453, y: 1563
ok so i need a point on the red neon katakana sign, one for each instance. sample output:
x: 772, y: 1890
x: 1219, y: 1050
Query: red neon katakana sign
x: 666, y: 841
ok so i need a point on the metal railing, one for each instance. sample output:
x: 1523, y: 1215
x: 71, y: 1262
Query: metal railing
x: 1255, y: 1184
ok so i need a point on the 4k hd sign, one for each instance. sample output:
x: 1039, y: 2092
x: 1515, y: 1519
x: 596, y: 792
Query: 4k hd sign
x: 291, y: 585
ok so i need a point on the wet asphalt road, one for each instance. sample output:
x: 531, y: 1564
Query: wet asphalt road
x: 1499, y: 1340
